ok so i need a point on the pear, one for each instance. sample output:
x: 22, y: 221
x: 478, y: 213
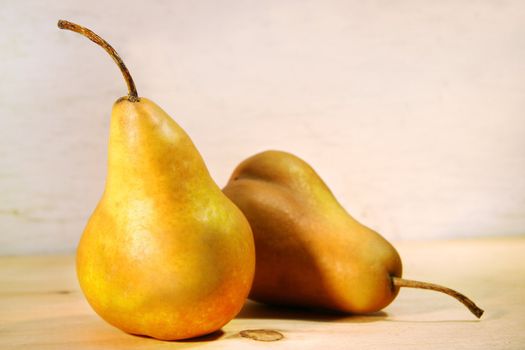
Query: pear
x: 165, y: 254
x: 309, y: 251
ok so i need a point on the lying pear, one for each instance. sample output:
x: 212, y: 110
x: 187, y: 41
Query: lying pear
x: 165, y: 254
x: 309, y: 251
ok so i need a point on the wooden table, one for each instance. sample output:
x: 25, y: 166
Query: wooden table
x: 41, y: 307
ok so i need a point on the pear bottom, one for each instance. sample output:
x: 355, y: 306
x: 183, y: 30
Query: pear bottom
x: 164, y: 284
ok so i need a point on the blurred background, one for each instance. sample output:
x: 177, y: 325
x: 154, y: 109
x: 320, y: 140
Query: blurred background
x: 413, y: 112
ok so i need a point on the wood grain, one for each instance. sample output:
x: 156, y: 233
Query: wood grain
x: 41, y: 307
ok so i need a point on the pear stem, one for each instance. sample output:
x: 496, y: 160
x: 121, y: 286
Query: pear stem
x: 400, y: 282
x: 132, y: 90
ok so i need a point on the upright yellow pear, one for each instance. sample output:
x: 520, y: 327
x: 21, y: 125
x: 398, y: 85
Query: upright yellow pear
x: 165, y: 254
x: 309, y: 251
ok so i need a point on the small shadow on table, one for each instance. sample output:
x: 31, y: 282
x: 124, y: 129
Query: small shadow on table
x: 204, y: 338
x: 256, y: 310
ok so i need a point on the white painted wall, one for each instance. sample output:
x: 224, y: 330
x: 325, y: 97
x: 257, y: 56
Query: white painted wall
x: 412, y: 111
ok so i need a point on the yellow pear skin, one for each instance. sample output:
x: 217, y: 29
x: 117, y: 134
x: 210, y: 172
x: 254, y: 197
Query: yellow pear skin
x: 309, y: 251
x: 165, y: 254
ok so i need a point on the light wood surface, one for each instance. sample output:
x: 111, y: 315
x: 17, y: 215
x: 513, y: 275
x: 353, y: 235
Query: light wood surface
x: 41, y: 307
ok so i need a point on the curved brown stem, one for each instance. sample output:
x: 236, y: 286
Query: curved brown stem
x: 132, y: 90
x: 400, y: 282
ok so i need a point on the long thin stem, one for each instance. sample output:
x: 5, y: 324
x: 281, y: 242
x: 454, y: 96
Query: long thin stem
x: 132, y: 90
x: 400, y: 282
